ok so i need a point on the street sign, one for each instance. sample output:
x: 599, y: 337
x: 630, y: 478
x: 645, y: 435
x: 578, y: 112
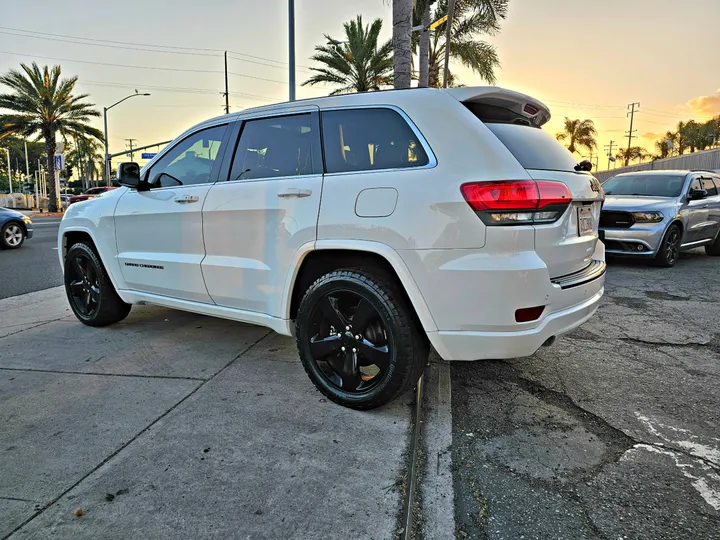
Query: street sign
x: 59, y: 162
x: 148, y: 156
x: 437, y: 23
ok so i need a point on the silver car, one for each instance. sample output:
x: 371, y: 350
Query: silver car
x: 657, y: 214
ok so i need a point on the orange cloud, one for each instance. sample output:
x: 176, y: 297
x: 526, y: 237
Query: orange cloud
x: 653, y: 136
x: 705, y: 106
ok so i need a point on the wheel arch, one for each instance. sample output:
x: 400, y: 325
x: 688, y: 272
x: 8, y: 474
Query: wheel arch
x: 680, y: 225
x: 316, y: 260
x: 71, y: 235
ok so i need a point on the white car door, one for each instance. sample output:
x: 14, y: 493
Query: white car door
x: 159, y: 230
x: 256, y: 220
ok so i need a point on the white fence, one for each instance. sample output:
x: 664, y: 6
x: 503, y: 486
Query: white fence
x: 708, y: 160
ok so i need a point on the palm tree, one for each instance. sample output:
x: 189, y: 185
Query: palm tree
x: 663, y: 149
x: 579, y: 134
x: 84, y: 156
x: 681, y: 138
x: 44, y: 105
x: 356, y: 64
x: 470, y: 19
x: 629, y: 154
x: 401, y: 42
x: 421, y: 16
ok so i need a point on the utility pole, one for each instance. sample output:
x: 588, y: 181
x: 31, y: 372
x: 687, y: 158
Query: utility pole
x: 291, y: 43
x: 631, y: 114
x: 227, y: 94
x: 609, y: 150
x: 130, y: 143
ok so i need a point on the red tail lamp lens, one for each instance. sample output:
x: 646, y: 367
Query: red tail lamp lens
x: 514, y: 202
x: 529, y: 314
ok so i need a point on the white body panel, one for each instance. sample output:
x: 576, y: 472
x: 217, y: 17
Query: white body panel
x: 253, y: 230
x: 237, y: 250
x: 160, y: 241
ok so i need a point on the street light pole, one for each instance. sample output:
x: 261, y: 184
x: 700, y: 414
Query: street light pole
x: 107, y: 152
x: 291, y: 39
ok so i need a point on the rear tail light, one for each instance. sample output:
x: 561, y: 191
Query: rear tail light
x: 517, y: 202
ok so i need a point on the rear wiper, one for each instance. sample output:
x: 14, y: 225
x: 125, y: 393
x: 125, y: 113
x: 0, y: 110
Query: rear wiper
x: 584, y: 165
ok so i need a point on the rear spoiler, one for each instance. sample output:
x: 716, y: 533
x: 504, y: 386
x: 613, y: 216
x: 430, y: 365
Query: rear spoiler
x: 492, y: 103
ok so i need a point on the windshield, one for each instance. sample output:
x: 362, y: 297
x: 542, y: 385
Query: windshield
x: 647, y: 185
x: 534, y: 148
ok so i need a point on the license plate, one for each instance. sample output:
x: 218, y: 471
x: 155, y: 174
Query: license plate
x: 585, y: 221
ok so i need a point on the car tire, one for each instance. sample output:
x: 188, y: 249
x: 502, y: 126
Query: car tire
x: 90, y: 292
x: 12, y: 235
x: 386, y: 360
x: 669, y: 251
x: 714, y: 249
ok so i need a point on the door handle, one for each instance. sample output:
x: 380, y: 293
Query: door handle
x: 295, y: 192
x: 185, y: 199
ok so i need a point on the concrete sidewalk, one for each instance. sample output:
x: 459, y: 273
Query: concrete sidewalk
x: 173, y: 425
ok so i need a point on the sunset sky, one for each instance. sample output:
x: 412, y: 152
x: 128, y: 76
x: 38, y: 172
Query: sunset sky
x: 583, y: 58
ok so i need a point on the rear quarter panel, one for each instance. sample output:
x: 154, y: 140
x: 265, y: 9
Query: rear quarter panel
x: 430, y: 212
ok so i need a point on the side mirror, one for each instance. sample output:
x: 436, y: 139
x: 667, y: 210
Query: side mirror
x: 697, y: 194
x: 128, y: 175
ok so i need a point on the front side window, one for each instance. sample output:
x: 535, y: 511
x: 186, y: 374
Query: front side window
x: 708, y: 185
x: 189, y: 162
x: 695, y: 185
x: 278, y: 147
x: 369, y: 139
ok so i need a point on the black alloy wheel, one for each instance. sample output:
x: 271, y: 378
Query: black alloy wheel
x: 669, y: 251
x: 84, y: 286
x: 358, y: 342
x: 89, y: 290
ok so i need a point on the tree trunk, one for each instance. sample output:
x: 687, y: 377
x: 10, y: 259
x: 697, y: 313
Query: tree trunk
x: 402, y: 47
x: 425, y: 48
x: 52, y: 194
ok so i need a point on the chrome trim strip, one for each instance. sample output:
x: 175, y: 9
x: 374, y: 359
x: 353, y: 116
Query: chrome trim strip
x: 592, y: 272
x: 698, y: 242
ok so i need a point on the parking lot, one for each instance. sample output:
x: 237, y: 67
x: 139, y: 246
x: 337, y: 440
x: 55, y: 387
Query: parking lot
x: 614, y: 432
x: 176, y: 425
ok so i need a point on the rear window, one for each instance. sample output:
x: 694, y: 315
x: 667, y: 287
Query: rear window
x: 369, y: 139
x: 534, y: 148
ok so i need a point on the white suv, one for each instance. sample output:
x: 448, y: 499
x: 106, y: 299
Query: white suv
x: 370, y: 226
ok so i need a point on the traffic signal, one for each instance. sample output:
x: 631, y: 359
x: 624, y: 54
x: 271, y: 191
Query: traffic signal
x: 68, y: 171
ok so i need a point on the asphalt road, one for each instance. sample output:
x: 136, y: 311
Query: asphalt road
x: 611, y: 433
x: 35, y: 265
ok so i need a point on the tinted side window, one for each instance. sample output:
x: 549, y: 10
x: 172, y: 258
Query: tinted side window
x: 277, y: 147
x: 707, y: 184
x: 368, y: 139
x: 190, y: 161
x: 695, y: 184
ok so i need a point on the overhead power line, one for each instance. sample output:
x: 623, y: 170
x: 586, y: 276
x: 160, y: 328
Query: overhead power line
x: 111, y: 41
x: 78, y: 42
x: 153, y: 68
x: 146, y: 47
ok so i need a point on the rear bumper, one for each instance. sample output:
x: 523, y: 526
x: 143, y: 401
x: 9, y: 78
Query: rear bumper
x: 501, y: 345
x: 473, y: 297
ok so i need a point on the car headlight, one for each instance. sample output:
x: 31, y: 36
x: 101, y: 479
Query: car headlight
x: 648, y: 217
